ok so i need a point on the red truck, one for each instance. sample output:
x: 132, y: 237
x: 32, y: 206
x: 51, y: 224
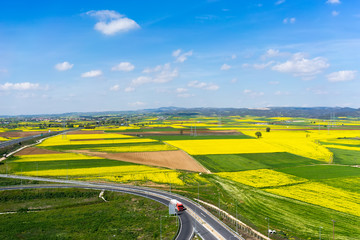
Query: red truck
x: 175, y: 206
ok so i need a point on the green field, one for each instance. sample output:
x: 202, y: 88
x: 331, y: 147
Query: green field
x: 323, y: 171
x: 80, y: 214
x: 347, y: 157
x: 239, y: 162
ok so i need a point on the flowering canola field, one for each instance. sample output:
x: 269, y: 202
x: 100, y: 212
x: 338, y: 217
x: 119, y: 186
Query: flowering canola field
x: 262, y: 178
x: 322, y: 195
x: 53, y: 157
x: 225, y: 146
x: 136, y: 148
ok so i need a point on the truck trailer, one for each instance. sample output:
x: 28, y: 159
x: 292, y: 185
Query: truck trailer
x: 176, y: 207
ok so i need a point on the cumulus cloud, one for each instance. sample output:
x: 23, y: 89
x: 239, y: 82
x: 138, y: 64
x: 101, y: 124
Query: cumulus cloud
x: 161, y: 74
x: 115, y: 88
x: 92, y: 73
x: 333, y: 1
x: 289, y: 20
x: 63, y: 66
x: 129, y: 89
x: 280, y: 2
x: 181, y: 90
x: 225, y: 67
x: 20, y: 86
x: 111, y: 22
x: 279, y: 93
x: 298, y: 65
x: 334, y: 13
x: 252, y: 93
x: 181, y: 57
x: 262, y: 65
x: 123, y: 66
x: 203, y: 85
x: 341, y: 76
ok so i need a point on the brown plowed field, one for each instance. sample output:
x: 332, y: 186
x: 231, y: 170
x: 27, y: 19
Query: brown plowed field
x: 169, y: 159
x: 20, y: 134
x: 34, y: 150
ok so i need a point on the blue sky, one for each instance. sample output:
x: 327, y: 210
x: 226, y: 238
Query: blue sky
x: 66, y: 56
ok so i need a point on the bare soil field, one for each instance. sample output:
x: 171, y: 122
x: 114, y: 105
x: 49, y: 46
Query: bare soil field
x: 168, y: 159
x: 20, y: 134
x: 34, y: 150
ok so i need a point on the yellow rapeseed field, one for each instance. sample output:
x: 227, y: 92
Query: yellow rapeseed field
x: 136, y: 148
x: 158, y: 177
x: 262, y: 178
x: 225, y: 146
x: 53, y: 157
x: 300, y: 143
x: 322, y: 195
x: 66, y: 140
x: 342, y: 147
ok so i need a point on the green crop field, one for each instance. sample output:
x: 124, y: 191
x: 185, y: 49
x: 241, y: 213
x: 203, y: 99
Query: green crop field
x: 239, y: 162
x: 80, y: 214
x: 347, y: 157
x: 322, y: 171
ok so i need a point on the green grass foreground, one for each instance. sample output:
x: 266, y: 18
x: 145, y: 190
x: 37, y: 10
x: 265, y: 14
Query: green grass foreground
x: 80, y: 214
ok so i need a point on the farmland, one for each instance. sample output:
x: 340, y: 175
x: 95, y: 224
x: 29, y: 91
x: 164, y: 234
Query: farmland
x: 296, y: 175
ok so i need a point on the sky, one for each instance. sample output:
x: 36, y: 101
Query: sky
x: 81, y: 56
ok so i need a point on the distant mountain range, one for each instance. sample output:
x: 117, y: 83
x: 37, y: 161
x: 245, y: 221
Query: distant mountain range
x: 311, y: 112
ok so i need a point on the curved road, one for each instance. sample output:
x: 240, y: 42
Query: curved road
x: 196, y: 218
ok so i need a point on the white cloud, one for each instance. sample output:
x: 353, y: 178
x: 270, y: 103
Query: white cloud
x: 334, y: 13
x: 298, y: 65
x: 181, y: 90
x: 63, y: 66
x: 341, y: 76
x: 92, y: 73
x: 225, y: 67
x: 279, y: 93
x: 111, y: 22
x: 129, y: 89
x: 233, y: 56
x: 19, y: 86
x: 252, y: 93
x: 161, y: 74
x: 115, y: 88
x: 181, y: 57
x: 176, y: 53
x: 137, y: 104
x: 289, y: 20
x: 203, y: 85
x: 185, y: 95
x: 123, y: 66
x: 333, y: 1
x: 234, y: 80
x: 280, y: 2
x: 274, y: 82
x: 262, y: 65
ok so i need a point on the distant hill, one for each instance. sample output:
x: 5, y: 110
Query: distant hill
x: 311, y: 112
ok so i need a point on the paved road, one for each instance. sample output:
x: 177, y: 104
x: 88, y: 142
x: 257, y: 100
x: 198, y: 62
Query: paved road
x: 195, y: 218
x: 17, y: 141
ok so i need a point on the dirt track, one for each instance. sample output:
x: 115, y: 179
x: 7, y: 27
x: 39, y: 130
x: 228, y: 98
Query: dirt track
x: 168, y: 159
x: 34, y: 150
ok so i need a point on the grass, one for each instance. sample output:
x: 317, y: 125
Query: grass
x: 239, y: 162
x: 347, y: 157
x: 322, y: 171
x: 80, y: 214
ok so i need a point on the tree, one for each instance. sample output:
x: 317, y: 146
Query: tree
x: 258, y: 134
x: 267, y: 129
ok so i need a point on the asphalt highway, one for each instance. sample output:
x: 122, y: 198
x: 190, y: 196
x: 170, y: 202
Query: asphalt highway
x: 195, y: 218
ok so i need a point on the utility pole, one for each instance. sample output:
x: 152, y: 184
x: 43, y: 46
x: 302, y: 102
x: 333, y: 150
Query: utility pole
x: 219, y: 205
x: 333, y: 228
x: 160, y: 228
x: 268, y: 232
